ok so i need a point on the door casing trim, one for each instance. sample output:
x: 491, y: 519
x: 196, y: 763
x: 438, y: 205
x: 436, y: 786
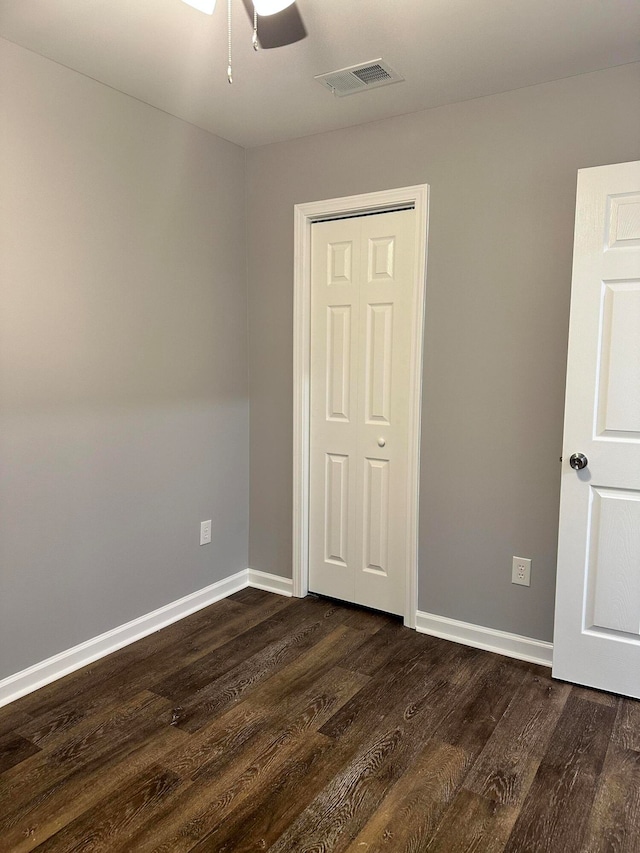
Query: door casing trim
x: 304, y: 216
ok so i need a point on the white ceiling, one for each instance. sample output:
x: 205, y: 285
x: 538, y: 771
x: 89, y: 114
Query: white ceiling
x: 169, y: 55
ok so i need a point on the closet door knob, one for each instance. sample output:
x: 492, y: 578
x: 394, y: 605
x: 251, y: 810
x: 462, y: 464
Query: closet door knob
x: 381, y: 442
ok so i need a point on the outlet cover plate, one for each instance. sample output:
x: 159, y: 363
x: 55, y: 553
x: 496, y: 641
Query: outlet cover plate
x: 205, y: 532
x: 521, y: 571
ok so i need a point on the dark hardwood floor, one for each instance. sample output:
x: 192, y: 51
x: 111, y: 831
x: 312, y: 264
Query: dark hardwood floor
x: 271, y: 724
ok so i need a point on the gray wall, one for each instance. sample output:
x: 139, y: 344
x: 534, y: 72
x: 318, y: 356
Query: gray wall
x: 502, y: 172
x: 123, y: 376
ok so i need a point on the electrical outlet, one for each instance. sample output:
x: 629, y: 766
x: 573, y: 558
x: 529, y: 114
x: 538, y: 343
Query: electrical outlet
x: 205, y: 532
x: 521, y: 571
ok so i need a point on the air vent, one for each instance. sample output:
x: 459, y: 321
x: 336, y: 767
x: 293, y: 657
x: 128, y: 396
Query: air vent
x: 357, y: 78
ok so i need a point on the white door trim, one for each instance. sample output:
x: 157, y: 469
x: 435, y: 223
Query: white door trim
x: 305, y: 215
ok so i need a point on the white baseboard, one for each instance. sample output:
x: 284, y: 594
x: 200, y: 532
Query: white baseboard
x: 270, y: 583
x: 489, y: 639
x: 62, y: 664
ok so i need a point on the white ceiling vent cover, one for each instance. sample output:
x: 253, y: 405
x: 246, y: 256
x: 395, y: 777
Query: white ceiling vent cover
x: 357, y: 78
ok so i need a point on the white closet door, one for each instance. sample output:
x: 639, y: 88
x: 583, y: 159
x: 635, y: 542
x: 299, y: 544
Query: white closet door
x: 597, y: 624
x: 335, y: 325
x: 361, y: 301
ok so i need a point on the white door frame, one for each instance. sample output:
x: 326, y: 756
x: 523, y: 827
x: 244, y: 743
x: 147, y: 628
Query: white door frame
x: 305, y: 214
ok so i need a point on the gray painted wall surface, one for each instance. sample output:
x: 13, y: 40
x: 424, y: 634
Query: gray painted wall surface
x: 502, y: 171
x: 123, y: 390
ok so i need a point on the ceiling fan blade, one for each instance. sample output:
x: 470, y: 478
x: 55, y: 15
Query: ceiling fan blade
x: 278, y: 30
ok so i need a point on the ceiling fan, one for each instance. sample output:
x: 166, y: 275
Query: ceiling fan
x: 280, y: 23
x: 278, y: 28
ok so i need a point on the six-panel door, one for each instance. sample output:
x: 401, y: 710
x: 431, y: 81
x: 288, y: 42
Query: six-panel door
x: 361, y: 296
x: 597, y: 625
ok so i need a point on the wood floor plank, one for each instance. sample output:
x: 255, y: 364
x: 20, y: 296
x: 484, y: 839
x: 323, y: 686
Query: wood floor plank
x: 284, y: 691
x: 408, y: 815
x: 259, y: 819
x: 385, y: 645
x: 427, y: 701
x: 108, y: 826
x: 83, y: 791
x: 303, y: 712
x: 471, y: 719
x: 508, y: 763
x: 614, y: 824
x: 226, y: 781
x: 146, y: 662
x: 468, y: 716
x: 96, y: 675
x: 473, y: 823
x: 219, y: 743
x: 370, y: 621
x: 393, y: 742
x: 396, y: 683
x: 250, y: 596
x: 55, y: 789
x: 14, y: 749
x: 100, y: 729
x: 338, y: 811
x: 626, y: 731
x: 330, y: 651
x: 306, y: 725
x: 556, y: 811
x: 598, y: 696
x: 223, y: 816
x: 217, y: 696
x: 11, y: 719
x: 186, y: 681
x: 96, y: 738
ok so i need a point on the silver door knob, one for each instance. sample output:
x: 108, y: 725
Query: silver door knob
x: 381, y: 442
x: 578, y: 461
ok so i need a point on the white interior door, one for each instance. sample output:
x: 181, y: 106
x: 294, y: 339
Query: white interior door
x: 597, y: 623
x: 362, y: 293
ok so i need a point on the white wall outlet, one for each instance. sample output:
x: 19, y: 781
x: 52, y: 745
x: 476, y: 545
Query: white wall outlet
x: 205, y: 532
x: 521, y: 571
